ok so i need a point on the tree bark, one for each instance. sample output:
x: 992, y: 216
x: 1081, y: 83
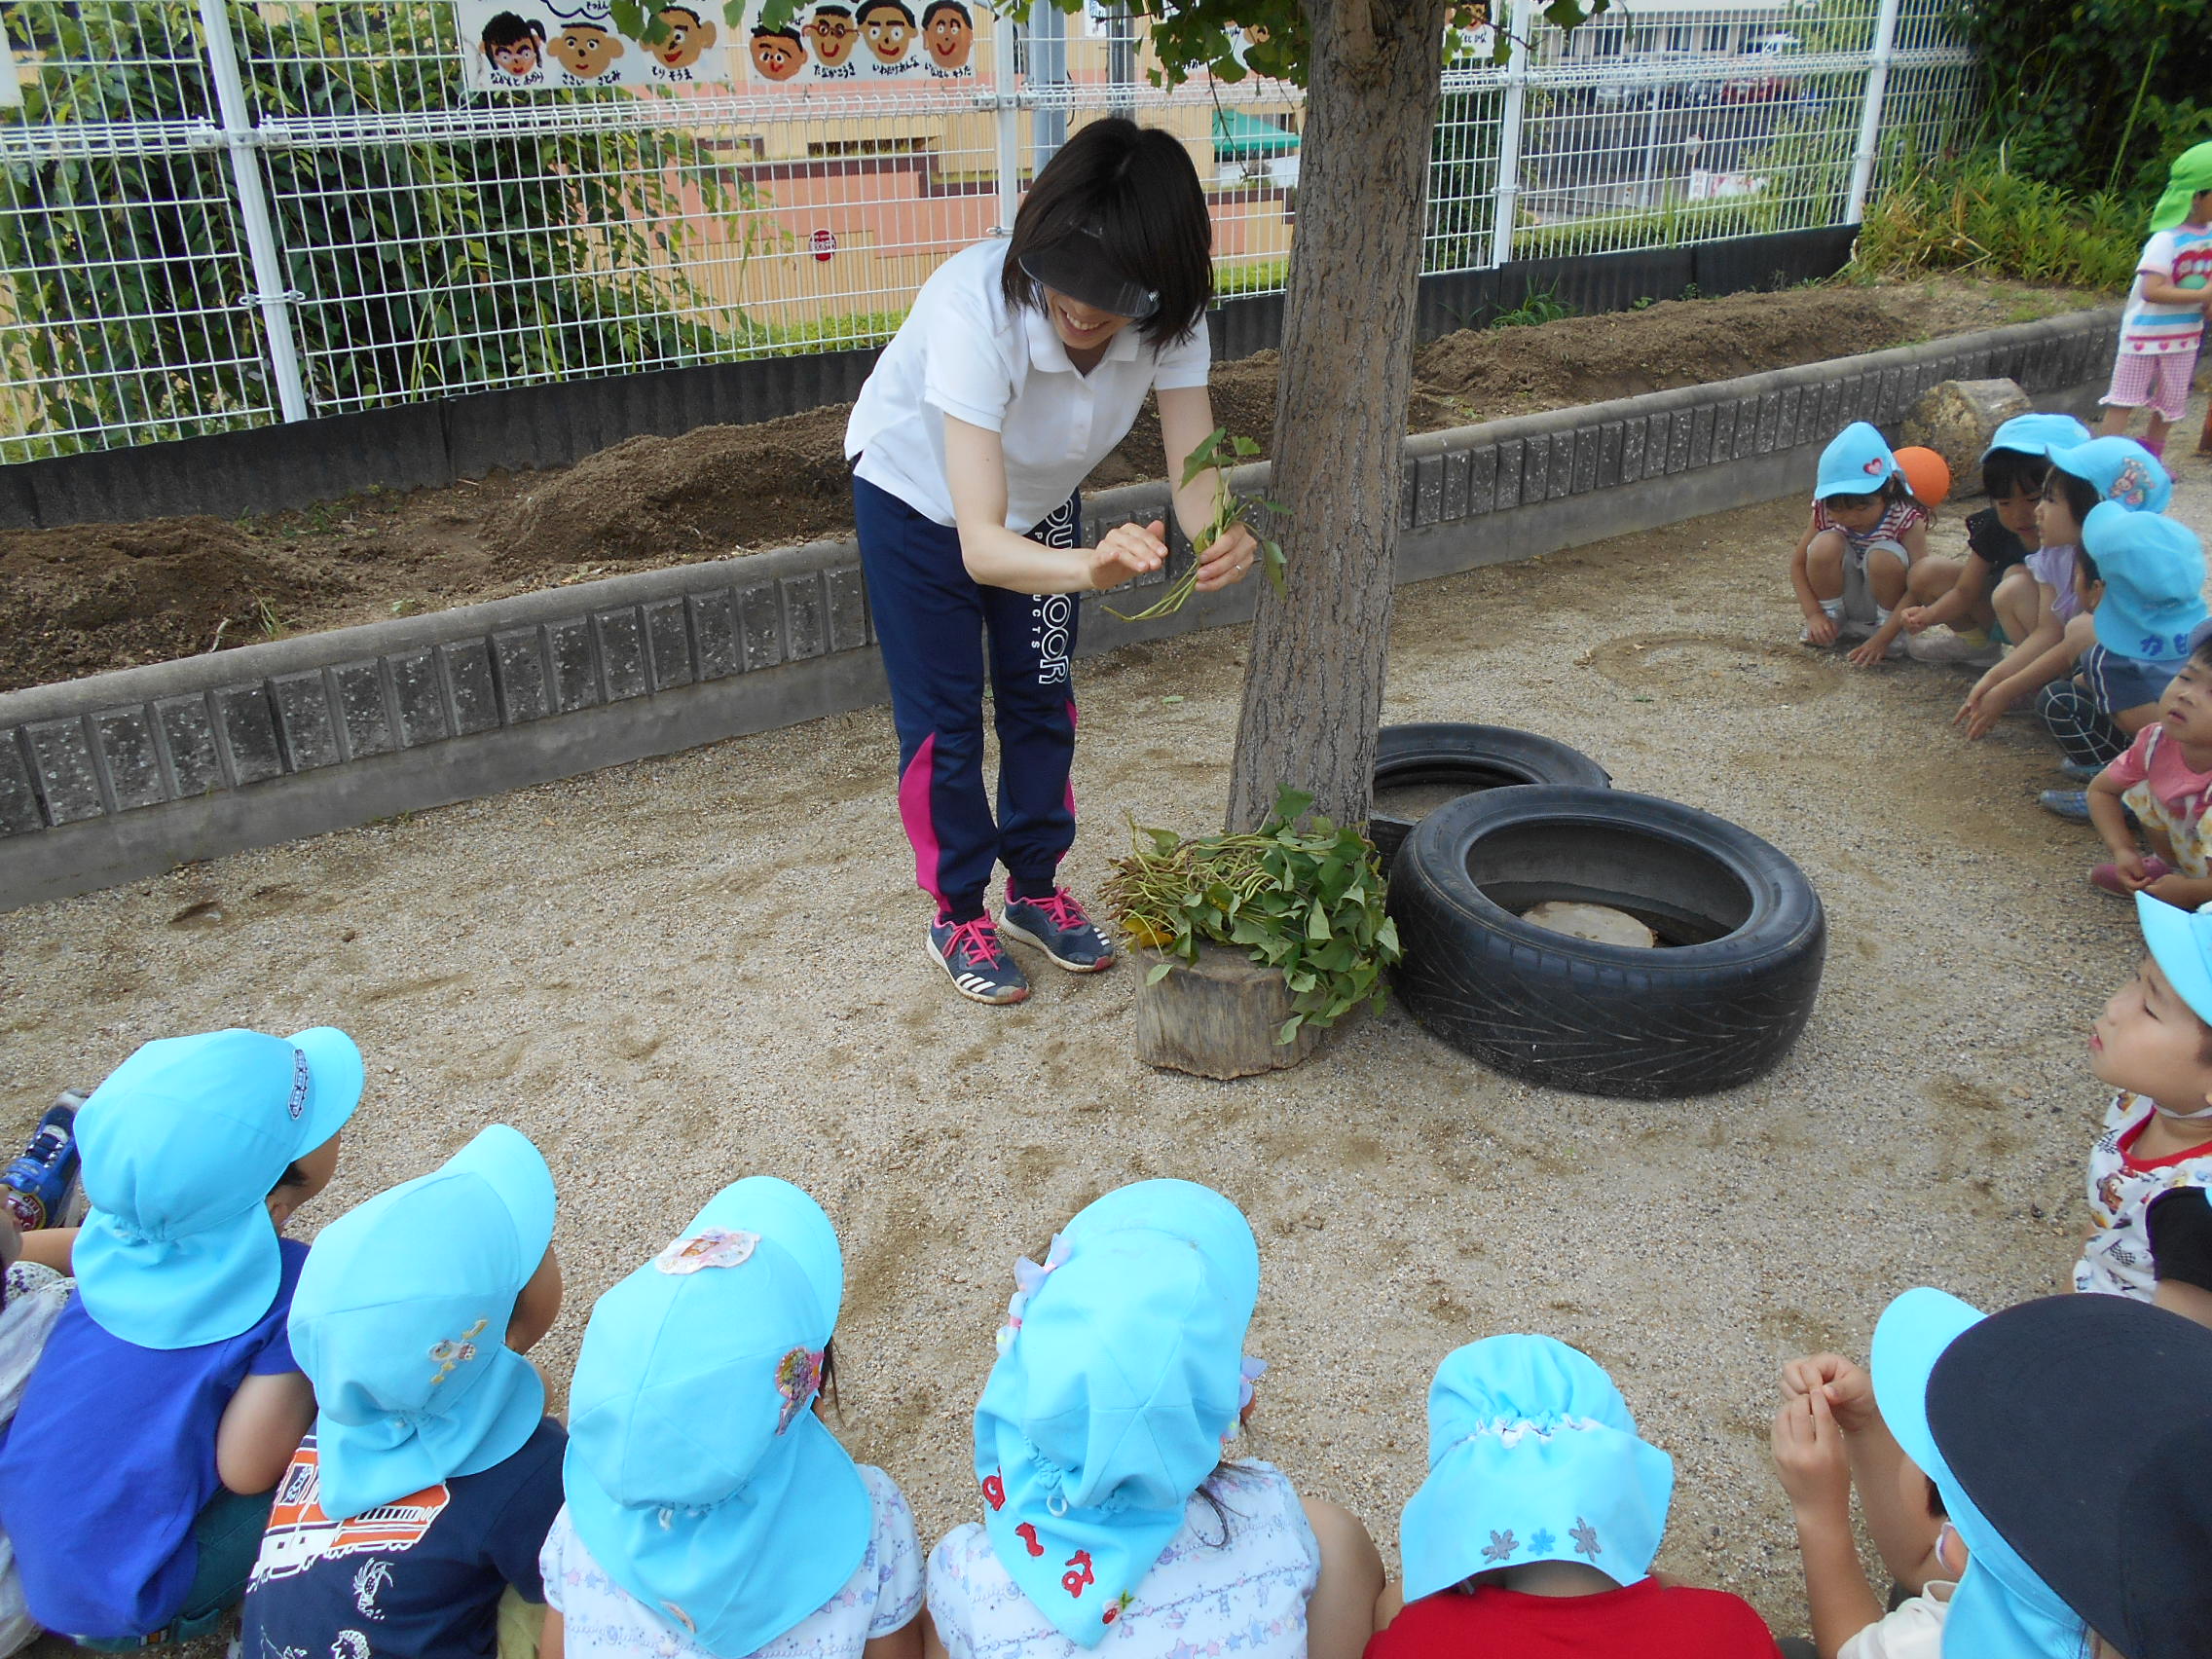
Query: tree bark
x: 1313, y: 684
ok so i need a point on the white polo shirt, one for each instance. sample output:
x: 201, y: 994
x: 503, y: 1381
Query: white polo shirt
x: 963, y: 352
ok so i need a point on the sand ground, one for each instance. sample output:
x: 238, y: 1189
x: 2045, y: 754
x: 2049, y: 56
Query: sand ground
x: 684, y: 971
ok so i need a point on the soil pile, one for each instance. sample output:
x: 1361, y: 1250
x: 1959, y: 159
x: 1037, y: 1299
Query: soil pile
x: 93, y: 597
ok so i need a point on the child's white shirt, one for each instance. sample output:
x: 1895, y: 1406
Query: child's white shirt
x: 2182, y: 256
x: 1206, y: 1595
x: 598, y: 1617
x: 1914, y: 1630
x: 2116, y: 1260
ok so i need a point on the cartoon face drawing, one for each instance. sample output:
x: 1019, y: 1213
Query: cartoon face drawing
x: 514, y: 45
x: 833, y: 33
x: 888, y: 27
x: 688, y: 37
x: 949, y: 32
x: 586, y: 50
x: 777, y: 54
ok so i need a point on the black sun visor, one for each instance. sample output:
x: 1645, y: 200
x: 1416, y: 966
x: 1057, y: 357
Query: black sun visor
x: 1076, y: 266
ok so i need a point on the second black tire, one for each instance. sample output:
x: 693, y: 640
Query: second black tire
x: 1469, y: 758
x: 1722, y: 999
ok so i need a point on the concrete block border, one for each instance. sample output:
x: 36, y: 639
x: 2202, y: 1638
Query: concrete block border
x: 121, y: 775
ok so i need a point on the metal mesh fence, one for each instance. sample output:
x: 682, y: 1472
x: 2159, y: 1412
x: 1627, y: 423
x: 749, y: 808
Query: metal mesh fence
x: 215, y: 213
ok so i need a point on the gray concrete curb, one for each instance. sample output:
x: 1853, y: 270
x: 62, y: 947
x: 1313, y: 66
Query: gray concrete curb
x: 121, y: 775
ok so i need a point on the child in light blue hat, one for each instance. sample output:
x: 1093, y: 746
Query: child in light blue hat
x: 167, y: 1401
x: 1536, y: 1526
x: 431, y: 1451
x: 1864, y: 553
x: 709, y: 1511
x: 1110, y: 1508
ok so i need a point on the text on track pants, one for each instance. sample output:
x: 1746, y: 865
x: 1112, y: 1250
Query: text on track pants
x: 933, y: 621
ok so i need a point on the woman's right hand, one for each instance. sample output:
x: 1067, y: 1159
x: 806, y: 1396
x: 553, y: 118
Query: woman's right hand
x: 1128, y: 551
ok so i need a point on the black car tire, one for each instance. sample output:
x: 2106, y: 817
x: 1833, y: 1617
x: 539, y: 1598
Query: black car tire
x: 1475, y: 757
x: 1718, y: 1003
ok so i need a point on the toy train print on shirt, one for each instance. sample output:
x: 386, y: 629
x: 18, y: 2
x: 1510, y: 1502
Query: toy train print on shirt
x: 545, y: 44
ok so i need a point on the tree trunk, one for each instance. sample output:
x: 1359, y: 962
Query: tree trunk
x: 1314, y: 687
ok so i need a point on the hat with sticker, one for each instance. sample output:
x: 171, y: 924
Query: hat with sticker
x: 1120, y: 1374
x: 2121, y: 470
x: 2153, y: 568
x: 1532, y: 1456
x: 2001, y: 1609
x: 182, y: 1146
x: 400, y: 1321
x: 2037, y: 434
x: 697, y: 1474
x: 1858, y: 461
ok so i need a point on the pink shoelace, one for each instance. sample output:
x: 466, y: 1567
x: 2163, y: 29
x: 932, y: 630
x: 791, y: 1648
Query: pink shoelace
x: 975, y: 942
x: 1061, y: 910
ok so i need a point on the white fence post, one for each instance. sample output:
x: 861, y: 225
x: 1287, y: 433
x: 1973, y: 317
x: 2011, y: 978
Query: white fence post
x: 1870, y: 117
x: 1048, y: 67
x: 273, y: 294
x: 1522, y: 20
x: 1006, y: 105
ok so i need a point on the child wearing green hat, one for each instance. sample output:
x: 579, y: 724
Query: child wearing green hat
x: 1536, y: 1530
x: 2163, y: 324
x: 167, y: 1401
x: 427, y: 1489
x: 1110, y: 1508
x: 709, y: 1511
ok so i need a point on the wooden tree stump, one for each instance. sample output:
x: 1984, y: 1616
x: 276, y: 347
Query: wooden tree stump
x: 1956, y: 418
x: 1218, y: 1019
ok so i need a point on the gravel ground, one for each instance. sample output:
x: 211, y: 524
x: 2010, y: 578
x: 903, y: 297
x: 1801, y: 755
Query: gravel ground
x: 684, y: 971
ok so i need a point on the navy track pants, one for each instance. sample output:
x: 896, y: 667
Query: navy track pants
x: 934, y: 621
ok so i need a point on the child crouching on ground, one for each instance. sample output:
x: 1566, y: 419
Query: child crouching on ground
x: 427, y: 1489
x: 137, y: 1477
x: 2152, y: 1044
x: 710, y: 1510
x: 1536, y: 1526
x: 1864, y: 553
x: 2166, y: 780
x: 2141, y: 579
x: 1829, y: 1437
x: 1994, y: 602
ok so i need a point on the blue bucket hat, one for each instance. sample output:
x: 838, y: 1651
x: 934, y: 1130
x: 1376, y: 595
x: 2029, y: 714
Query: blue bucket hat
x: 2153, y: 568
x: 696, y: 1474
x: 2121, y: 470
x: 1119, y: 1376
x: 181, y: 1146
x: 1532, y: 1456
x: 2001, y: 1609
x: 400, y: 1321
x: 2037, y: 434
x: 2179, y: 943
x: 1858, y: 461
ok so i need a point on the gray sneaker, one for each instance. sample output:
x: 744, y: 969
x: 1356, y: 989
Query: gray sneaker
x: 976, y: 963
x: 1057, y: 925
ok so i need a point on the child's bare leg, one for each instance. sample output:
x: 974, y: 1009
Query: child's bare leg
x: 2155, y: 439
x: 1824, y: 566
x: 1930, y: 580
x: 2114, y: 423
x: 1886, y: 577
x: 2017, y: 603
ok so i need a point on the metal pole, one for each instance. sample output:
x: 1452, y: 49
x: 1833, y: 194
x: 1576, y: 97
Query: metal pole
x: 1871, y: 116
x: 1651, y: 151
x: 1508, y: 193
x: 1120, y: 60
x: 1007, y: 107
x: 1048, y: 67
x: 273, y: 294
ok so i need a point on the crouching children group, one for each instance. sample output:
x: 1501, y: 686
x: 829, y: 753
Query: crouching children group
x: 352, y: 1445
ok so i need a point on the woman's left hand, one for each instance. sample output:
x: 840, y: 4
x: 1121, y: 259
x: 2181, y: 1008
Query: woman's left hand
x: 1228, y: 560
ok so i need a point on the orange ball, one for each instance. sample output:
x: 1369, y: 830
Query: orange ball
x: 1927, y: 474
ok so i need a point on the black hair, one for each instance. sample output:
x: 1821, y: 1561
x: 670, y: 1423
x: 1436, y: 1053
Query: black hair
x: 899, y: 6
x: 1936, y: 1501
x: 293, y: 1176
x: 2085, y: 567
x: 762, y: 31
x: 2013, y: 472
x: 845, y: 12
x: 826, y: 1388
x: 2201, y: 656
x: 2079, y: 494
x: 1895, y: 489
x: 685, y: 9
x: 936, y: 5
x: 506, y: 29
x: 1137, y: 186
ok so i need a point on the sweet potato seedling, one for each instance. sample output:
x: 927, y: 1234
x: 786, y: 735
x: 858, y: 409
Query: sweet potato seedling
x: 1218, y: 450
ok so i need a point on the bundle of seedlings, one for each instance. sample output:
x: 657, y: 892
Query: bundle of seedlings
x: 1219, y: 452
x: 1306, y: 901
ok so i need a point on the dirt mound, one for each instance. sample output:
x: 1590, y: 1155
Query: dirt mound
x: 1676, y: 343
x: 93, y: 597
x: 712, y: 491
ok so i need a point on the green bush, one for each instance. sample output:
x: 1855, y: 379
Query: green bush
x: 1978, y: 214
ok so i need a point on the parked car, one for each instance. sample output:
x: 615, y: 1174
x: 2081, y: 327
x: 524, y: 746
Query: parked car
x: 1764, y: 85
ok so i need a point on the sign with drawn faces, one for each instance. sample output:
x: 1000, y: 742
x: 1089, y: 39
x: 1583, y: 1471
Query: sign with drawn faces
x: 541, y: 45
